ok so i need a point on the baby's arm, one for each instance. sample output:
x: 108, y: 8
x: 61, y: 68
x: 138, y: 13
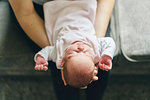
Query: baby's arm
x: 107, y: 50
x: 42, y: 57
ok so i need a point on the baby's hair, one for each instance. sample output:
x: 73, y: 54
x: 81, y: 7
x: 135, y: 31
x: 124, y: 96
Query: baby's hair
x: 77, y: 78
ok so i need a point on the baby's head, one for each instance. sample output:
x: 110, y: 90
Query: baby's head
x: 78, y: 65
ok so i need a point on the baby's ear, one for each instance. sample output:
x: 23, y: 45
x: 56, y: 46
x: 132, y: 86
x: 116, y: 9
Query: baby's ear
x: 63, y: 62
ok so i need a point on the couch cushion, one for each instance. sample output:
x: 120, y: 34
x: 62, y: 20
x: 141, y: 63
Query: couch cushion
x: 131, y: 24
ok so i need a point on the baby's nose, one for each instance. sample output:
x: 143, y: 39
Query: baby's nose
x: 80, y: 47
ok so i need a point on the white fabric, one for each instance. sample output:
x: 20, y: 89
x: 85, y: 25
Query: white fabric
x: 106, y: 46
x: 70, y: 21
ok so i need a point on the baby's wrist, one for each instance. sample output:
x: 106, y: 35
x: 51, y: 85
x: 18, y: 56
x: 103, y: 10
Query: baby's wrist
x: 39, y: 57
x: 106, y: 57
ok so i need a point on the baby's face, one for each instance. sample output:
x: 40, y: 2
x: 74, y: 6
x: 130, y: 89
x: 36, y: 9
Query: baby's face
x: 80, y: 54
x: 77, y: 49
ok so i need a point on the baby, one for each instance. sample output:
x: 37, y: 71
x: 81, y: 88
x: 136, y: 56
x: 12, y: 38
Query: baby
x: 74, y: 46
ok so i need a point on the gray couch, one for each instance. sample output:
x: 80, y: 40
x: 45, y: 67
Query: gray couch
x: 130, y: 27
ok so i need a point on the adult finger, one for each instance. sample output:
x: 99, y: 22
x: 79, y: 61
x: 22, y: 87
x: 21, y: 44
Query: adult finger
x: 83, y: 87
x: 95, y: 72
x: 95, y: 78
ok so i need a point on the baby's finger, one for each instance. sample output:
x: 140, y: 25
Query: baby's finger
x: 39, y: 67
x: 46, y: 63
x: 107, y: 68
x: 100, y: 65
x: 110, y: 67
x: 103, y: 67
x: 45, y: 68
x: 36, y: 67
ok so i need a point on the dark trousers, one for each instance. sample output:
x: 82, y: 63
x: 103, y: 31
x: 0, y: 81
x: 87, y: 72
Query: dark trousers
x: 94, y: 91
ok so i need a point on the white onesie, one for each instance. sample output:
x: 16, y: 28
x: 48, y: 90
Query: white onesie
x: 67, y: 21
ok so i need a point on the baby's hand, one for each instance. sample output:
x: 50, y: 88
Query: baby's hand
x: 105, y: 63
x: 41, y: 63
